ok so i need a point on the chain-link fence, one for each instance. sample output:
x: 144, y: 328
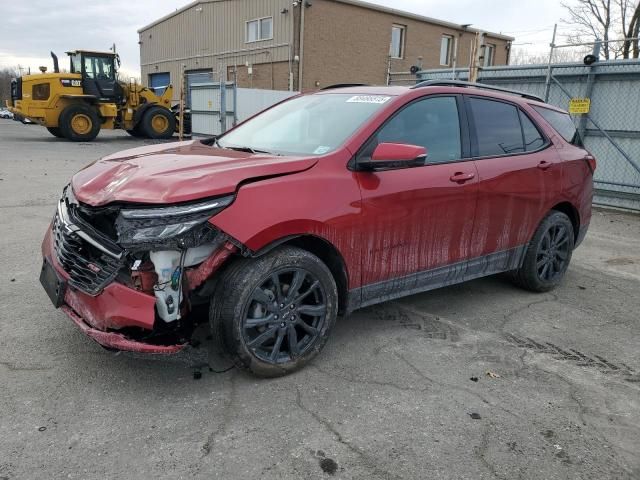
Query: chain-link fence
x: 611, y: 129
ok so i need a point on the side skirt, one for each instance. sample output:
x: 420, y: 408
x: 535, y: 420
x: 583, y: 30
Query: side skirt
x: 491, y: 264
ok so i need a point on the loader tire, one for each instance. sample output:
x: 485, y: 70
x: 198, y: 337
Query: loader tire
x: 55, y: 131
x: 79, y: 123
x: 158, y: 123
x: 135, y: 132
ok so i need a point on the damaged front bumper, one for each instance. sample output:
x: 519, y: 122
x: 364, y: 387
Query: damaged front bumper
x: 130, y: 299
x: 100, y: 317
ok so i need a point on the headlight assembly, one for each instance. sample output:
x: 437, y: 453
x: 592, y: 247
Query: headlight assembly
x: 174, y: 226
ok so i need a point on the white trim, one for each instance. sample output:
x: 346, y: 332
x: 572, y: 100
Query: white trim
x: 403, y: 41
x: 259, y: 20
x: 449, y: 50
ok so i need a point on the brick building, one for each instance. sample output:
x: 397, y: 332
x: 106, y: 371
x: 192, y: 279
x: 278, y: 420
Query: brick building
x: 305, y: 45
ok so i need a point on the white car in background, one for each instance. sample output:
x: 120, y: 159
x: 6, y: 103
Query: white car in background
x: 5, y: 114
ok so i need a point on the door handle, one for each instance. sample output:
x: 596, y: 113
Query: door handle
x: 543, y: 165
x: 461, y: 177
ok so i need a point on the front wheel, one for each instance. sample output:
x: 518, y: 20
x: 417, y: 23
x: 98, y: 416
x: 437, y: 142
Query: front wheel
x: 548, y: 254
x: 274, y: 313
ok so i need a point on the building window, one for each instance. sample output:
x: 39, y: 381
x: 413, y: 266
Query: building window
x: 398, y: 33
x: 489, y: 54
x: 446, y: 44
x: 259, y: 29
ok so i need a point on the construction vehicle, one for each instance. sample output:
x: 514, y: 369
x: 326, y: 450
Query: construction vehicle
x: 78, y: 104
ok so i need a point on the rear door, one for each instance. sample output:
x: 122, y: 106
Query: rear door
x: 418, y: 219
x: 519, y: 174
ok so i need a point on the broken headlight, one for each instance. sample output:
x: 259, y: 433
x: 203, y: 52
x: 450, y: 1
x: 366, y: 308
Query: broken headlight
x: 179, y: 225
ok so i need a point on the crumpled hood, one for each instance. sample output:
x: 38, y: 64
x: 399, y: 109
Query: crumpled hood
x: 179, y: 172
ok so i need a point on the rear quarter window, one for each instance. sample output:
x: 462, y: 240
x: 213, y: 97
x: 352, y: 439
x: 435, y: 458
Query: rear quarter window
x: 561, y: 123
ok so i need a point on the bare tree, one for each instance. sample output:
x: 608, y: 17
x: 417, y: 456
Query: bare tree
x: 592, y: 19
x: 630, y: 29
x: 605, y: 20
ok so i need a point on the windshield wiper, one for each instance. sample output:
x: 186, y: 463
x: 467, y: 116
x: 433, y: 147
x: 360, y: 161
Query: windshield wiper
x: 252, y: 150
x: 244, y: 149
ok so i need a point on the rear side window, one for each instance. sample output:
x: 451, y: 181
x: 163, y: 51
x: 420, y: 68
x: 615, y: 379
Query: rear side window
x: 561, y: 122
x: 497, y: 127
x: 533, y: 140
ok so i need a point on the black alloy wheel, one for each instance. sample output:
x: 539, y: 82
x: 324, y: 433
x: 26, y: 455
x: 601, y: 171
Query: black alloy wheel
x: 274, y: 313
x: 553, y: 253
x: 547, y: 255
x: 285, y: 316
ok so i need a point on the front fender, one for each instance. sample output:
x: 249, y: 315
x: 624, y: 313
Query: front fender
x: 317, y: 202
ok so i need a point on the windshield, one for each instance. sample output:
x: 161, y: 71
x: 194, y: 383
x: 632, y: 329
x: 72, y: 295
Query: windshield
x: 309, y: 125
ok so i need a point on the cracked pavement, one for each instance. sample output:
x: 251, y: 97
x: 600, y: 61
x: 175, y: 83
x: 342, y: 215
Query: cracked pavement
x: 391, y: 396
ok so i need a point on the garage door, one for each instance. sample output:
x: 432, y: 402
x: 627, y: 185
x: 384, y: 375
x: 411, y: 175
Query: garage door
x: 158, y: 82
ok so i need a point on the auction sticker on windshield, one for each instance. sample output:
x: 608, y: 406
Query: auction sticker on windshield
x: 368, y: 99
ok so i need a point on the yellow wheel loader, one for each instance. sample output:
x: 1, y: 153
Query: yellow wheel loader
x: 78, y: 104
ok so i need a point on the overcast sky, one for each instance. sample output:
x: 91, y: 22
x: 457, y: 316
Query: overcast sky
x: 31, y: 28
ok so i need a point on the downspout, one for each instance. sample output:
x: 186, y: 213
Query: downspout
x: 301, y: 60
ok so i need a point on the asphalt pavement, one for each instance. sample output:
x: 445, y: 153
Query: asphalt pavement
x: 476, y: 381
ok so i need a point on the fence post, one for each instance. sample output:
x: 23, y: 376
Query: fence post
x: 235, y: 97
x: 223, y: 105
x: 547, y: 85
x: 181, y: 119
x: 582, y: 126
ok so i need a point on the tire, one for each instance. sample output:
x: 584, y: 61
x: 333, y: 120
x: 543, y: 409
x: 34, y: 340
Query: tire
x: 246, y: 294
x: 158, y: 123
x: 55, y: 131
x: 548, y: 254
x: 79, y: 123
x: 135, y: 132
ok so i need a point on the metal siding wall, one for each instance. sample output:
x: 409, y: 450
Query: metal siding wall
x: 615, y: 106
x: 196, y: 39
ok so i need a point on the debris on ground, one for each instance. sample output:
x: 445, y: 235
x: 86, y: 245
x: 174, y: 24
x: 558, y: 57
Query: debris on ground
x: 475, y: 416
x: 328, y: 465
x: 474, y: 379
x: 197, y: 375
x: 491, y: 374
x: 42, y: 429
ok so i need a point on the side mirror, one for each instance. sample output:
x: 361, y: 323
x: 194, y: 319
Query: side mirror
x: 389, y: 156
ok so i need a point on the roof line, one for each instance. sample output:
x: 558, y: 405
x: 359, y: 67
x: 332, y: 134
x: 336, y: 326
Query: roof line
x: 357, y: 3
x: 422, y: 18
x: 172, y: 14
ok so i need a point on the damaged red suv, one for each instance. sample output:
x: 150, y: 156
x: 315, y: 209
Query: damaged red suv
x: 320, y: 205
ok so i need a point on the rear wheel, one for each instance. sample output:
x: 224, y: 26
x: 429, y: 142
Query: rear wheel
x: 274, y: 313
x: 55, y: 131
x: 548, y: 254
x: 158, y: 123
x: 79, y: 123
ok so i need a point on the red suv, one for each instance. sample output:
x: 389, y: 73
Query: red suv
x: 320, y: 205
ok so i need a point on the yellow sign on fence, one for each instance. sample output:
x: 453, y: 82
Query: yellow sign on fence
x: 579, y: 105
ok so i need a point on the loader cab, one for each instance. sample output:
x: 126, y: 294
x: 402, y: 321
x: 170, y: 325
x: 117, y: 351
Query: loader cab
x: 98, y: 72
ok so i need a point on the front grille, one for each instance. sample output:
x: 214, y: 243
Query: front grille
x: 89, y: 268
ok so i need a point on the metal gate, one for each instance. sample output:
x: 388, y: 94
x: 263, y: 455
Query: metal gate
x: 611, y: 129
x: 213, y: 107
x: 217, y: 106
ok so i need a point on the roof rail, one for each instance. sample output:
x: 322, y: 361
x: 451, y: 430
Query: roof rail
x: 344, y: 85
x: 460, y: 83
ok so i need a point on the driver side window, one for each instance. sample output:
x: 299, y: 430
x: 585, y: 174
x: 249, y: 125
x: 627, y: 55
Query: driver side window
x: 432, y: 123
